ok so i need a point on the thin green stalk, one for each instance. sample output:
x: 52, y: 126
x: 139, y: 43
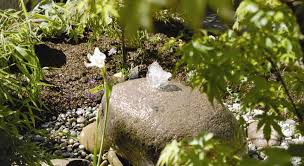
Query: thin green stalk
x: 95, y: 163
x: 96, y: 139
x: 106, y: 114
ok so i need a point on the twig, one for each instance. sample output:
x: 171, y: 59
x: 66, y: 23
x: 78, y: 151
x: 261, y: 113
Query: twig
x: 123, y: 47
x: 281, y: 80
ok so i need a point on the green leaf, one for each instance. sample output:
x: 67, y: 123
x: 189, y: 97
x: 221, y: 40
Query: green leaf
x: 97, y: 89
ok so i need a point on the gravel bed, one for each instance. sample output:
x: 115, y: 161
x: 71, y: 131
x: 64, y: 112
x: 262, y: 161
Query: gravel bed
x: 63, y: 133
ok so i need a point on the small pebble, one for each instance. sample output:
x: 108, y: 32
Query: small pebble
x: 79, y: 112
x: 76, y: 145
x: 66, y: 154
x: 91, y: 116
x: 69, y: 149
x: 69, y: 113
x: 83, y: 153
x: 296, y: 161
x: 62, y: 116
x: 81, y: 119
x: 66, y: 130
x: 72, y: 120
x: 81, y: 147
x: 73, y: 133
x: 71, y: 141
x: 92, y: 120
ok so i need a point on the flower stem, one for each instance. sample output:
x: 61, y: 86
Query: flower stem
x: 106, y: 114
x: 96, y: 139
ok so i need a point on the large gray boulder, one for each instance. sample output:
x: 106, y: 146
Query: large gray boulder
x: 143, y: 120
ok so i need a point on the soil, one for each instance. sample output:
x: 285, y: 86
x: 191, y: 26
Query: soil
x: 70, y: 81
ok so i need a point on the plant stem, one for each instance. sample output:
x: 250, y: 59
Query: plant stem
x: 123, y: 47
x: 106, y: 114
x: 96, y: 139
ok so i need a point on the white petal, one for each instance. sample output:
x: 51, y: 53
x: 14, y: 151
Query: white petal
x: 97, y: 51
x: 88, y: 64
x: 103, y: 56
x: 97, y: 59
x: 89, y: 56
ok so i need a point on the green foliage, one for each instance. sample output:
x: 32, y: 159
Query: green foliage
x: 20, y: 75
x: 98, y: 15
x: 74, y: 18
x: 58, y: 19
x: 202, y: 150
x: 205, y: 150
x: 136, y: 14
x: 275, y: 157
x: 262, y: 53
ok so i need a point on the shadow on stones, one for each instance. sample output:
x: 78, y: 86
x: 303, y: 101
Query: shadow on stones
x: 79, y: 163
x: 50, y: 57
x: 171, y: 88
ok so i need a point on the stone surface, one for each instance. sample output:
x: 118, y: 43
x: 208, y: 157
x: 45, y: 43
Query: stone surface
x: 143, y: 120
x: 87, y: 137
x: 258, y: 139
x: 118, y: 77
x: 68, y: 162
x: 134, y: 72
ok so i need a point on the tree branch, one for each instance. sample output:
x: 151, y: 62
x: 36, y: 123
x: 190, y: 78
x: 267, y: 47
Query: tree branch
x: 281, y: 80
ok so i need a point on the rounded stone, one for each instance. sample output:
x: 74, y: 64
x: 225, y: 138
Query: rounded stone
x: 66, y: 154
x: 81, y: 119
x: 65, y: 130
x: 79, y: 112
x: 73, y: 133
x: 62, y: 116
x: 258, y: 139
x: 68, y: 113
x: 69, y: 149
x: 92, y: 120
x: 71, y: 141
x: 83, y: 153
x: 81, y: 147
x: 76, y: 144
x: 143, y: 120
x: 72, y: 120
x: 87, y: 137
x: 91, y: 115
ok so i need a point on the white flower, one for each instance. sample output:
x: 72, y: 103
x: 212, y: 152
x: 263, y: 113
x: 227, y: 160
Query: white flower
x: 97, y: 59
